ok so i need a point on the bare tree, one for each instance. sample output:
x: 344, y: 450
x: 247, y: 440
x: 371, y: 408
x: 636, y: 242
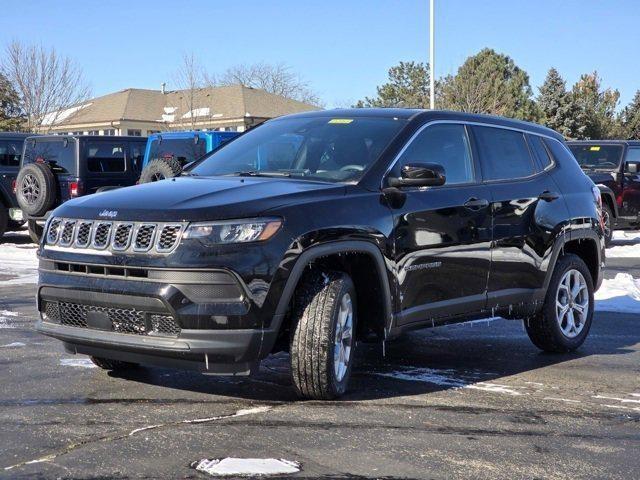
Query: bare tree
x: 190, y: 78
x: 274, y: 78
x: 50, y: 85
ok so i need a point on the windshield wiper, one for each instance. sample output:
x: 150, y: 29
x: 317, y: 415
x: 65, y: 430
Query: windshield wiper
x: 263, y: 173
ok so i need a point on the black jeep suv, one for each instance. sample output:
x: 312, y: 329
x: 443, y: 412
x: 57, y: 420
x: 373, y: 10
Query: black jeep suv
x: 314, y: 231
x: 614, y: 165
x: 57, y: 168
x: 10, y: 152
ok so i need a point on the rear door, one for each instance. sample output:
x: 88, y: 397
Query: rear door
x: 523, y: 198
x: 442, y: 234
x: 10, y: 152
x: 630, y: 202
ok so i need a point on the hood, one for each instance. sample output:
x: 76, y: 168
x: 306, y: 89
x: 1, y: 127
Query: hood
x: 599, y: 176
x: 197, y: 199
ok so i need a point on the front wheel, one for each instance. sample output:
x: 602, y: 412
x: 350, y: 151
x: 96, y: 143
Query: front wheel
x: 565, y: 319
x: 323, y: 340
x: 607, y: 220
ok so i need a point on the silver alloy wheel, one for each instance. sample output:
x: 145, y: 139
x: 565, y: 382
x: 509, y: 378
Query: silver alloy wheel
x: 343, y: 338
x: 30, y: 188
x: 606, y: 219
x: 572, y: 303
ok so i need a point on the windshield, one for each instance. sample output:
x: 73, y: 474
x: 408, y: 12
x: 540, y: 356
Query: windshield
x: 185, y: 150
x: 58, y: 154
x: 318, y: 148
x: 606, y: 157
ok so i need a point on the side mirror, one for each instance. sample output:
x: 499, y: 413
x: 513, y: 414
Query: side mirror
x: 632, y: 167
x: 420, y: 175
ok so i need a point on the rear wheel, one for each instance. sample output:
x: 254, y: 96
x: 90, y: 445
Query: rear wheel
x: 607, y: 220
x: 323, y: 340
x: 4, y: 220
x: 565, y: 319
x: 115, y: 365
x: 35, y: 231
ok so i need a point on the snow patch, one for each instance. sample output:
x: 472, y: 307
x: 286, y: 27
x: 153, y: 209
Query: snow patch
x: 77, y: 362
x: 8, y: 313
x: 197, y: 112
x: 246, y: 467
x: 620, y: 294
x: 14, y: 345
x: 20, y: 264
x: 60, y: 115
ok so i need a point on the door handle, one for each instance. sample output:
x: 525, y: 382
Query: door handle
x: 476, y: 203
x: 548, y: 196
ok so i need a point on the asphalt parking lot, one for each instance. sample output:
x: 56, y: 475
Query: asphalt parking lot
x: 476, y: 400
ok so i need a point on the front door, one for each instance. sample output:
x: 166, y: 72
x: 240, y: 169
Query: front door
x: 442, y: 234
x: 630, y: 204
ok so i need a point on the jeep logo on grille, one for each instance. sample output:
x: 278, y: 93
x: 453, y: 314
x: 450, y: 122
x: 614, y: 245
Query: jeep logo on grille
x: 108, y: 213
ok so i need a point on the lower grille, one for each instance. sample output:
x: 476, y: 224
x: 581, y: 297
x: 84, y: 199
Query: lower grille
x: 123, y: 320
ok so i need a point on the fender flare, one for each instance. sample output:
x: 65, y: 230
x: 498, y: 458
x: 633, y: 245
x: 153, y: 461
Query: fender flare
x: 571, y: 235
x: 331, y: 248
x: 607, y: 192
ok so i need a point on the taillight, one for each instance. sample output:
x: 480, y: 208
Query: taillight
x: 14, y: 186
x: 75, y: 189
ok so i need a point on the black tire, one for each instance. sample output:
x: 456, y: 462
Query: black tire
x: 114, y: 365
x: 313, y: 337
x: 4, y: 220
x: 36, y: 189
x: 543, y: 329
x: 608, y: 219
x: 159, y: 169
x: 35, y: 231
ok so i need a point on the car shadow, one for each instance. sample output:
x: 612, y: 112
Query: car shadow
x: 419, y: 362
x: 17, y: 237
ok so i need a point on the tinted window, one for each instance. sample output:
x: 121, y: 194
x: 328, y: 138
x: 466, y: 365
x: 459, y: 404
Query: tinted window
x: 504, y: 153
x: 137, y: 155
x: 633, y: 154
x: 593, y: 155
x: 58, y: 154
x: 445, y: 144
x: 185, y: 150
x: 317, y: 148
x: 105, y: 157
x: 10, y: 152
x: 540, y: 151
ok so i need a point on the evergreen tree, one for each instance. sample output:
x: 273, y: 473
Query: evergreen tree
x: 489, y: 82
x: 597, y: 107
x: 10, y: 118
x: 557, y: 108
x: 408, y: 87
x: 630, y: 119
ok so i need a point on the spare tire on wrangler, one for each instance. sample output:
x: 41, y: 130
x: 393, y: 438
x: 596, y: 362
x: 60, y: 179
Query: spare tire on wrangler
x: 36, y: 189
x: 161, y: 168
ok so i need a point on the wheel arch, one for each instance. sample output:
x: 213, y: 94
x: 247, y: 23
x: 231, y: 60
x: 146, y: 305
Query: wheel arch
x: 609, y: 198
x: 359, y: 259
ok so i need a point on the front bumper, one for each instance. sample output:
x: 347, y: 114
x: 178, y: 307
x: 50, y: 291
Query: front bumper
x: 191, y: 319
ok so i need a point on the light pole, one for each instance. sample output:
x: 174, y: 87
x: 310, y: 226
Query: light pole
x: 432, y: 61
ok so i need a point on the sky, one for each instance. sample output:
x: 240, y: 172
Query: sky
x: 342, y: 48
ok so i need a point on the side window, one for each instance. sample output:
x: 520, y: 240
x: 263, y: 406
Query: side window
x: 444, y: 144
x: 137, y: 155
x: 540, y: 151
x: 504, y: 154
x: 633, y: 154
x: 105, y: 157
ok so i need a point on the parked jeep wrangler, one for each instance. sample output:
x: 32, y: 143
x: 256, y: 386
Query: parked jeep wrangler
x: 318, y: 230
x: 167, y: 153
x: 57, y: 168
x: 613, y: 165
x: 10, y: 153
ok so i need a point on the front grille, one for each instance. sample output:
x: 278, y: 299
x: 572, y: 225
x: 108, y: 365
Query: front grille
x: 66, y: 237
x: 131, y: 237
x: 123, y: 320
x: 122, y: 237
x: 168, y: 237
x: 54, y: 230
x: 144, y: 237
x: 101, y: 236
x: 83, y: 237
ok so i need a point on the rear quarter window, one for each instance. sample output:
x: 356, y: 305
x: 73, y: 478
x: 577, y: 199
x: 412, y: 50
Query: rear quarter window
x: 544, y: 160
x: 504, y: 154
x: 105, y: 157
x: 10, y: 153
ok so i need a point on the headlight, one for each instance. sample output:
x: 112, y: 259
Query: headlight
x: 234, y: 231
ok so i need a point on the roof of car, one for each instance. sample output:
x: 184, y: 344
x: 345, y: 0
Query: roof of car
x: 634, y: 143
x: 427, y: 115
x: 15, y: 135
x: 92, y: 137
